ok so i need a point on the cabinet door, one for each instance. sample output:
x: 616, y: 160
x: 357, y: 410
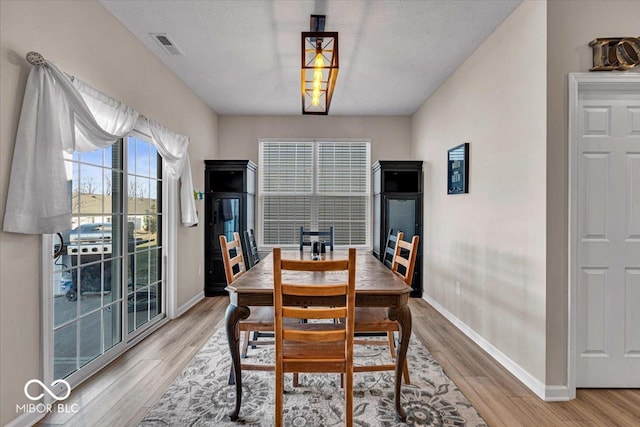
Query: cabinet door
x: 402, y: 215
x: 225, y: 219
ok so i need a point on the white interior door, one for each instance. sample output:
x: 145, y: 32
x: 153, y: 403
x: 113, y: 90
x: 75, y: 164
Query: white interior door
x: 607, y: 274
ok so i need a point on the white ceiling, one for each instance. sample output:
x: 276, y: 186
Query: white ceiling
x: 243, y: 56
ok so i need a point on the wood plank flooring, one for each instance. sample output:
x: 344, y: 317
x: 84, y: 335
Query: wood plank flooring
x: 122, y: 393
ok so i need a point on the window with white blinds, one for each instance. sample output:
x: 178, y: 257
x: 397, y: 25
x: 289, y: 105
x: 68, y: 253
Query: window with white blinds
x: 315, y: 185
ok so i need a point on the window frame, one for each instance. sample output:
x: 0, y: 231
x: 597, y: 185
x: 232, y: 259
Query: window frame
x: 315, y: 195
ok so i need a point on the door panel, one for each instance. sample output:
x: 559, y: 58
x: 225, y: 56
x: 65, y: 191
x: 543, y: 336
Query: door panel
x: 594, y: 314
x: 608, y: 250
x: 632, y: 300
x: 596, y: 198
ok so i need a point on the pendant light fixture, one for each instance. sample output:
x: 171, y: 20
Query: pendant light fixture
x: 319, y: 67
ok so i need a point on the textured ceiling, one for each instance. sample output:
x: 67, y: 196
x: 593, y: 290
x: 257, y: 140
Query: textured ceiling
x: 243, y: 57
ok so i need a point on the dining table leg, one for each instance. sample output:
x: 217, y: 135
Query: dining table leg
x: 233, y: 316
x: 402, y: 315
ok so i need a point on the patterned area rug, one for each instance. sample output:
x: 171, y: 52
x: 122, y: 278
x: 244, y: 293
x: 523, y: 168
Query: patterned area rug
x: 200, y: 396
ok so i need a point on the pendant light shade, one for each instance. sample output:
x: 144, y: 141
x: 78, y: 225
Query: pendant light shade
x: 319, y: 68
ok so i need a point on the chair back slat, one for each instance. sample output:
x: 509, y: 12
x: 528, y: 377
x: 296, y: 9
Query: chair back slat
x: 402, y: 261
x: 324, y: 265
x: 316, y: 313
x: 314, y: 336
x: 235, y: 262
x: 312, y: 290
x: 326, y: 235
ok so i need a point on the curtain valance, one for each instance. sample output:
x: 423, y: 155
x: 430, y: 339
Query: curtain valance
x: 173, y: 149
x: 62, y: 116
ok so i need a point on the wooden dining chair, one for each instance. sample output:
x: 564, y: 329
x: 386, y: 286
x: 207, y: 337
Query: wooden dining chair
x: 252, y: 258
x: 320, y: 345
x: 389, y: 249
x: 375, y: 319
x: 322, y: 235
x: 252, y: 248
x: 261, y: 318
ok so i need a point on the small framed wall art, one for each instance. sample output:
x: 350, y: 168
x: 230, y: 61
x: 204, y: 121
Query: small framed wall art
x: 458, y: 169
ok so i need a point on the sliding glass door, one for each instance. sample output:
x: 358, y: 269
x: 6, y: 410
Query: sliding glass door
x: 106, y: 272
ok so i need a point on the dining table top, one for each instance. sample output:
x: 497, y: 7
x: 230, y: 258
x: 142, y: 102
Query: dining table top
x: 372, y: 276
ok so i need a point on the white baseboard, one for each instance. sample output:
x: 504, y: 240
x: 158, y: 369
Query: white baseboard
x: 547, y: 393
x: 557, y: 393
x: 186, y: 306
x: 26, y: 419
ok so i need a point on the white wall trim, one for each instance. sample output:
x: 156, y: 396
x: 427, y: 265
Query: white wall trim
x: 544, y: 392
x: 46, y: 308
x: 186, y: 306
x: 170, y: 256
x: 572, y: 225
x: 557, y: 393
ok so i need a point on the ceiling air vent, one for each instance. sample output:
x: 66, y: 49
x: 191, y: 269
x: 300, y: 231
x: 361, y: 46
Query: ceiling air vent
x: 167, y: 44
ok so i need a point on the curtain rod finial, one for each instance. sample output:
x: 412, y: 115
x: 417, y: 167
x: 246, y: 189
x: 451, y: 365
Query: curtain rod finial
x: 34, y: 58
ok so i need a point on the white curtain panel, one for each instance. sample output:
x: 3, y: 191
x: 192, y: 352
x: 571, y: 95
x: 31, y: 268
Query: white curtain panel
x: 173, y: 149
x: 38, y: 199
x: 60, y: 116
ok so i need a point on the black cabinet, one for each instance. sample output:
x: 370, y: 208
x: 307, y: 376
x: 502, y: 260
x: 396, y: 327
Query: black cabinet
x: 230, y: 188
x: 397, y: 204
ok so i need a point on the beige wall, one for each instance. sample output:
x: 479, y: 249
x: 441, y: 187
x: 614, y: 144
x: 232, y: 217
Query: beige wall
x: 238, y: 135
x: 83, y: 39
x: 492, y: 240
x: 571, y: 26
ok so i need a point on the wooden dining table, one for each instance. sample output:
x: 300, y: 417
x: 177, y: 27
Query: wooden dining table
x: 376, y: 286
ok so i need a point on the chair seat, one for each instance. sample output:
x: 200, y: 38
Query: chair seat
x: 261, y: 317
x: 373, y: 319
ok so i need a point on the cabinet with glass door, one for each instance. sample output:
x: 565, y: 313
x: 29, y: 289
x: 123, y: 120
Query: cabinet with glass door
x: 397, y: 205
x: 229, y: 208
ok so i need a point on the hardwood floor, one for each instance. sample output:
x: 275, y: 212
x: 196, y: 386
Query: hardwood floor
x: 500, y: 398
x: 124, y: 392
